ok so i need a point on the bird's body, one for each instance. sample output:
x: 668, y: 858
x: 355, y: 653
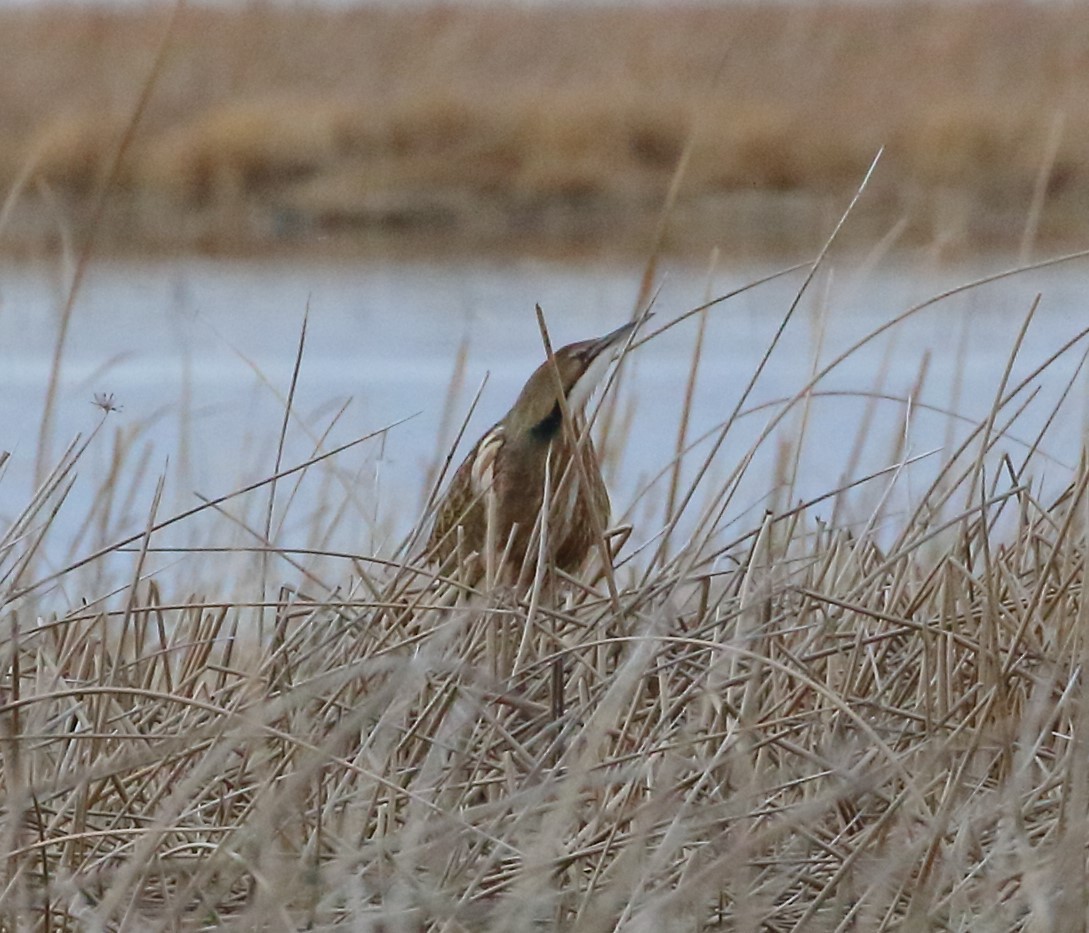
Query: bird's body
x: 491, y: 513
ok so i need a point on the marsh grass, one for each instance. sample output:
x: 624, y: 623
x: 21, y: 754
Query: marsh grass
x: 874, y: 723
x: 750, y: 720
x: 492, y: 125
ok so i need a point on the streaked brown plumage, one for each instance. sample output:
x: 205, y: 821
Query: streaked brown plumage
x: 506, y: 469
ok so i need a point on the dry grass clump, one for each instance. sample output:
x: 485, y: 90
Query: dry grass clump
x: 491, y: 122
x: 793, y: 726
x: 236, y: 150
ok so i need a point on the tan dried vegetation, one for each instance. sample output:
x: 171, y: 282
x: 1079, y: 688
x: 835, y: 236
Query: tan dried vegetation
x: 505, y: 125
x: 792, y: 724
x: 867, y: 724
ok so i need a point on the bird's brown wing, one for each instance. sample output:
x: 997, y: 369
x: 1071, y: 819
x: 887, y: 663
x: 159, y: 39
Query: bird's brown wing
x: 463, y: 504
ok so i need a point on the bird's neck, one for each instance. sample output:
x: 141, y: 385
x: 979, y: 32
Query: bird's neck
x: 526, y: 454
x: 548, y: 427
x: 549, y: 430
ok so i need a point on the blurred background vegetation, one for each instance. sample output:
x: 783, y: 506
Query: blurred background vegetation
x: 468, y: 128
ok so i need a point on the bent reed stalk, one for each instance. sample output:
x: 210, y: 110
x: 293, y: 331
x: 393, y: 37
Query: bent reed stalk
x: 788, y: 726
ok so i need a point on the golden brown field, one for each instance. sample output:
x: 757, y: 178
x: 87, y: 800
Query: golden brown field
x: 490, y: 126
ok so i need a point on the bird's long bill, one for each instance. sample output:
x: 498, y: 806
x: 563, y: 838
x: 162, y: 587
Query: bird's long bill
x: 616, y: 338
x: 596, y: 353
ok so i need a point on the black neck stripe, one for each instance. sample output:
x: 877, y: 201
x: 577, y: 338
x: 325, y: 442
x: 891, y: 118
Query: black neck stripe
x: 547, y: 427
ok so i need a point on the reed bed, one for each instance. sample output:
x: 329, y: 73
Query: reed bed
x: 489, y: 125
x: 790, y: 725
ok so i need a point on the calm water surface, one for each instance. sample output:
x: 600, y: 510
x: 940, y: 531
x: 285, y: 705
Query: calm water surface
x: 200, y: 354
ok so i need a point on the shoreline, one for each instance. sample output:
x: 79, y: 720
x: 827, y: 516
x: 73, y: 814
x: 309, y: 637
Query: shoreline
x: 746, y: 226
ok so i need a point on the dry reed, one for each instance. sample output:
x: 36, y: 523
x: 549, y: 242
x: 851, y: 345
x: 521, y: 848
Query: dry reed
x: 799, y: 726
x: 791, y: 727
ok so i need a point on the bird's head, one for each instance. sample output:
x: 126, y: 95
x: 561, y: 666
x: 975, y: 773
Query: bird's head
x: 537, y: 413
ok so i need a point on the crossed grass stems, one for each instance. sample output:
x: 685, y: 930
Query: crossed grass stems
x: 791, y: 725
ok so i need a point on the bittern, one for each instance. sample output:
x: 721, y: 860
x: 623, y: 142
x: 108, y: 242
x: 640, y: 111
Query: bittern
x: 491, y: 515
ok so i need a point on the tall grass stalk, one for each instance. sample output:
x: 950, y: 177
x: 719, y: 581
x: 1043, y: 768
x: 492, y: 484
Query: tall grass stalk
x: 769, y: 723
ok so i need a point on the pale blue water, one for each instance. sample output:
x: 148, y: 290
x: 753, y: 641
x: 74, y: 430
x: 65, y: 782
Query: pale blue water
x: 180, y: 344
